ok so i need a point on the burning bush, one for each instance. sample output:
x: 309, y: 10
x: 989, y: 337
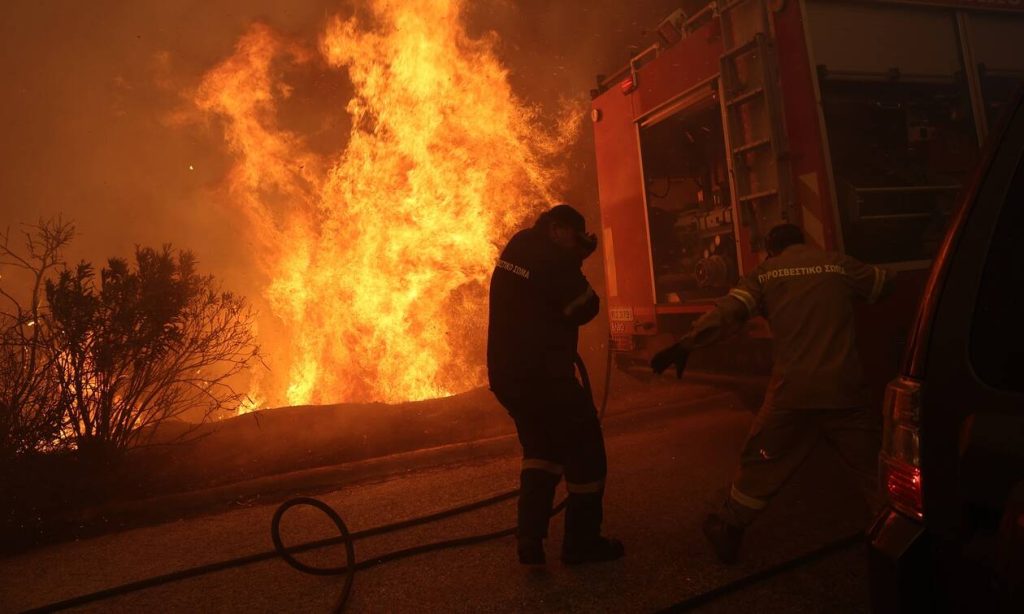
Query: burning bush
x: 98, y: 368
x: 154, y: 341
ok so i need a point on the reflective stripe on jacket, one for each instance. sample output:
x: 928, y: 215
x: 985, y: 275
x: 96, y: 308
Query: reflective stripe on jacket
x: 807, y: 296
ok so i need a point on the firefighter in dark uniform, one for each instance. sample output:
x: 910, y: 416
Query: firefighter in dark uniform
x: 539, y: 298
x: 816, y: 389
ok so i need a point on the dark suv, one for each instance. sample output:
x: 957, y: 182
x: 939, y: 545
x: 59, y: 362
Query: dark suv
x: 951, y: 537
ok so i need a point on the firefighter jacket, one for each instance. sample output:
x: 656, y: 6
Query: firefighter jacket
x: 807, y: 296
x: 539, y: 298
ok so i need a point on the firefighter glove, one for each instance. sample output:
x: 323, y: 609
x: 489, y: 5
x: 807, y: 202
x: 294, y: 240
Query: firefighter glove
x: 673, y: 355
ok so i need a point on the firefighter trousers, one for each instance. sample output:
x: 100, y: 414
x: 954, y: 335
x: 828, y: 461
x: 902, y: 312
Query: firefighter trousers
x: 781, y: 439
x: 560, y: 434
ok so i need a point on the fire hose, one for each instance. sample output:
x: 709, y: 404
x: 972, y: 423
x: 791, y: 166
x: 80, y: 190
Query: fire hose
x: 351, y: 566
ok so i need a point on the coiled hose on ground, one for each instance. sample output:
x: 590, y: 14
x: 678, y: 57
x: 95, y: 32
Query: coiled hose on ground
x: 351, y: 565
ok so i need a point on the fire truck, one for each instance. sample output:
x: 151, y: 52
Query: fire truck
x: 858, y: 121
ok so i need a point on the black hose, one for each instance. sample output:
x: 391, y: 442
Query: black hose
x: 345, y: 537
x: 285, y: 552
x: 348, y: 539
x: 742, y: 582
x: 350, y: 551
x: 350, y: 567
x: 607, y: 380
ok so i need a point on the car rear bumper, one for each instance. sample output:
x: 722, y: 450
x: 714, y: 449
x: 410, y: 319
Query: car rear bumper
x: 900, y: 564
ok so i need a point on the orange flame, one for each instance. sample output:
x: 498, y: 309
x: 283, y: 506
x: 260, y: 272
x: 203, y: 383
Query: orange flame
x: 377, y: 259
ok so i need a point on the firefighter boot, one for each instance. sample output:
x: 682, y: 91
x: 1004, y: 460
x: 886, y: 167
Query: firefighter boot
x: 531, y: 551
x: 583, y: 541
x: 536, y: 496
x: 725, y: 538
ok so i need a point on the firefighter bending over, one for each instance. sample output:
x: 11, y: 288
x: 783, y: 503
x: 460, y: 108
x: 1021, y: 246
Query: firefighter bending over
x: 538, y: 300
x: 816, y: 387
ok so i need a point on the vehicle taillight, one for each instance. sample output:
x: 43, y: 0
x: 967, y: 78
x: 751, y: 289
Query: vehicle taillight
x: 900, y: 459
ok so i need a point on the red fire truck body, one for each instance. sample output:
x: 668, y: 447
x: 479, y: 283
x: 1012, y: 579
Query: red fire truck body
x: 858, y: 121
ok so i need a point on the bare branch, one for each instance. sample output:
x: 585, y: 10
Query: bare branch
x: 28, y: 385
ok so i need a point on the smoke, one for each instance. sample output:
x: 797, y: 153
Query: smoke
x: 97, y: 124
x: 90, y: 89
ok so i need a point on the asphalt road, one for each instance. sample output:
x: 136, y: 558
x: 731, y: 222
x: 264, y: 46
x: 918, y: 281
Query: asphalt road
x: 668, y: 467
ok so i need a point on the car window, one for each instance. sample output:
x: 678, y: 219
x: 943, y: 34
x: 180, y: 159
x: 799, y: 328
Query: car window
x: 997, y: 333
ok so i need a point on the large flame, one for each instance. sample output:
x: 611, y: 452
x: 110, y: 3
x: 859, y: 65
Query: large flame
x: 376, y: 259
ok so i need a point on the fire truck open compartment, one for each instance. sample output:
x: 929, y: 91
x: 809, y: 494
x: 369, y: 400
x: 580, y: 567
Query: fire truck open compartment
x: 897, y: 111
x: 693, y: 248
x: 858, y: 121
x: 901, y: 150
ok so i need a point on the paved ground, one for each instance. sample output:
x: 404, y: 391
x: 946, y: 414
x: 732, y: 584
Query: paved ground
x: 667, y: 469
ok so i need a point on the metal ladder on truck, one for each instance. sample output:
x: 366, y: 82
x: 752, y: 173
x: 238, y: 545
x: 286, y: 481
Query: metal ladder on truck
x: 752, y: 120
